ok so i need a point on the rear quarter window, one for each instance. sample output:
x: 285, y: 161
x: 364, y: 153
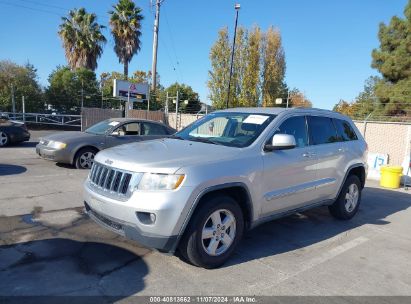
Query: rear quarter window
x: 322, y: 130
x: 345, y: 130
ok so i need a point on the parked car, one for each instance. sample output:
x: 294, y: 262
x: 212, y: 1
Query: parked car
x: 79, y: 148
x: 11, y: 131
x: 228, y: 172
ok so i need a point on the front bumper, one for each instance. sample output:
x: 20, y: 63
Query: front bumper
x: 169, y: 207
x: 60, y: 156
x: 166, y: 244
x: 20, y: 137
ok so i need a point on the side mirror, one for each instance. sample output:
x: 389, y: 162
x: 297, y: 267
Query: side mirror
x: 118, y: 133
x: 281, y: 142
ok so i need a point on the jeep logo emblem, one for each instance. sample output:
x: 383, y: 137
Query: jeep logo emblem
x: 108, y: 162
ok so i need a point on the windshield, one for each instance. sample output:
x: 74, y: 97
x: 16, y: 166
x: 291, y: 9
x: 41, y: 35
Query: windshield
x: 228, y: 129
x: 102, y: 127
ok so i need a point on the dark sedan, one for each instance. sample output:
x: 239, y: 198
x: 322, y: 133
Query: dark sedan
x: 12, y: 131
x: 79, y: 148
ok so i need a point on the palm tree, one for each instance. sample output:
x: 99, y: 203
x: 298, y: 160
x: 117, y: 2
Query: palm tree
x: 82, y: 39
x: 125, y: 23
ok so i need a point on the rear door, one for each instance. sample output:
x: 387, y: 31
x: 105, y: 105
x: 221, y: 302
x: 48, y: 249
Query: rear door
x: 328, y: 151
x: 150, y: 130
x: 289, y: 174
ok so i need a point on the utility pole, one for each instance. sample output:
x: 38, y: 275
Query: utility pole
x: 177, y: 111
x: 237, y: 8
x: 82, y: 94
x: 155, y: 45
x: 175, y: 99
x: 23, y: 108
x: 13, y: 102
x: 166, y: 108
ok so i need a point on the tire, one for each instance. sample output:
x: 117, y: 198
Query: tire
x: 4, y: 139
x: 348, y: 202
x: 84, y: 158
x: 201, y: 252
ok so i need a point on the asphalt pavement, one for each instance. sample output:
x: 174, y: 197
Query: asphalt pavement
x: 49, y: 247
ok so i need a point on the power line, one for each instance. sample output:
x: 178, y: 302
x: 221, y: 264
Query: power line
x: 172, y: 44
x: 30, y: 8
x: 169, y: 57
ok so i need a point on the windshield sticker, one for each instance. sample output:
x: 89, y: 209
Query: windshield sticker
x: 113, y: 123
x: 255, y: 119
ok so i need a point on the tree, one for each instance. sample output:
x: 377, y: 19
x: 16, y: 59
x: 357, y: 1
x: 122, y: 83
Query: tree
x: 273, y: 68
x: 239, y: 67
x: 393, y: 60
x: 297, y: 99
x: 67, y: 89
x: 344, y: 107
x: 125, y: 23
x: 24, y: 81
x: 219, y: 73
x: 185, y: 93
x: 82, y: 39
x: 250, y: 90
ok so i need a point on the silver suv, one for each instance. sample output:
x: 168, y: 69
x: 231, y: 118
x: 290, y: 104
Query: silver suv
x: 228, y: 172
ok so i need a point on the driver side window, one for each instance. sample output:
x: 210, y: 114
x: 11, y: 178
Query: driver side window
x: 132, y: 128
x: 297, y: 127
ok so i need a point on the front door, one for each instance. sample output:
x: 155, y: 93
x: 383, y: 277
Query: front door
x: 124, y: 134
x: 289, y: 175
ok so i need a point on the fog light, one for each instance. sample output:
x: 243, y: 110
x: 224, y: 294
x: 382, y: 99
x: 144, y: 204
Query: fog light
x: 152, y: 217
x: 146, y: 218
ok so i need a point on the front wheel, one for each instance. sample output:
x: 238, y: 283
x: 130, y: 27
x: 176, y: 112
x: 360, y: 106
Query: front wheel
x: 84, y: 158
x: 348, y: 202
x: 213, y: 233
x: 4, y: 139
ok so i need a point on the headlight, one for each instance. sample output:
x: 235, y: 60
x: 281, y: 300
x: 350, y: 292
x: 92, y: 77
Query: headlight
x: 152, y: 181
x: 56, y: 145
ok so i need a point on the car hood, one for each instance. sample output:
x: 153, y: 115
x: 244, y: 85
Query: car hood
x: 68, y: 136
x: 163, y: 155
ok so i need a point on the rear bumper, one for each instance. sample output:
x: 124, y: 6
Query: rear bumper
x: 165, y: 244
x: 60, y: 156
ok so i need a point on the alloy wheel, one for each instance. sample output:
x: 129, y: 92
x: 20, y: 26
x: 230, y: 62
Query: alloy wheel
x: 3, y: 139
x: 218, y: 232
x: 86, y: 160
x: 351, y: 197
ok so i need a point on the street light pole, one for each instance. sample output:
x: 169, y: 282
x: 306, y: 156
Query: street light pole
x: 237, y: 8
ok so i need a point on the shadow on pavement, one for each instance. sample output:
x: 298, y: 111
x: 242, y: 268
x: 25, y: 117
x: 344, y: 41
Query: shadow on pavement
x: 63, y: 267
x: 316, y: 225
x: 11, y: 169
x: 26, y: 144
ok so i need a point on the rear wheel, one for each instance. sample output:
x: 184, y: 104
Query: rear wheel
x: 84, y: 158
x: 348, y: 202
x: 4, y: 139
x: 213, y: 233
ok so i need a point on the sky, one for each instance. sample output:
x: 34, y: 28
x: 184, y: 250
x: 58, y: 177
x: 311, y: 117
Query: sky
x: 327, y: 43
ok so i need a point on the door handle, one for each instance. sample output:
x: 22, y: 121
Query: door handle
x: 340, y: 150
x: 308, y: 154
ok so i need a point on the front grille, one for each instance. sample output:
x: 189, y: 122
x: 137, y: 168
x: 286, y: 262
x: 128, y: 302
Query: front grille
x: 109, y: 179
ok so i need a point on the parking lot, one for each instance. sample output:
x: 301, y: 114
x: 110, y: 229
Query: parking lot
x: 49, y: 247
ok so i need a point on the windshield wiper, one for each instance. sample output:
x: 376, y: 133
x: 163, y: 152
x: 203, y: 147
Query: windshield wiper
x: 176, y: 137
x: 204, y: 140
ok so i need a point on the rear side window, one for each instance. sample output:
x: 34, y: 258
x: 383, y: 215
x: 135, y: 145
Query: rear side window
x: 153, y: 129
x: 322, y: 130
x: 295, y: 126
x: 344, y: 130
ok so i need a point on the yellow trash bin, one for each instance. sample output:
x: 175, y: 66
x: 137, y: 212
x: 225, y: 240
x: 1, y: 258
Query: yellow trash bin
x: 390, y: 176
